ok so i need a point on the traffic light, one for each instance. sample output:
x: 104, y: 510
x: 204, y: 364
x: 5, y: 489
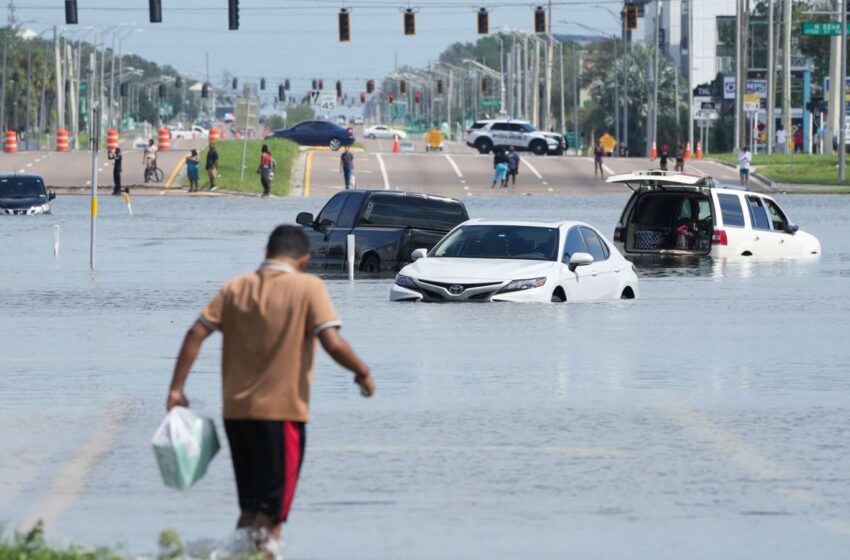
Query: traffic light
x: 67, y: 86
x: 262, y: 84
x: 321, y: 84
x: 286, y: 84
x: 338, y: 89
x: 370, y: 86
x: 631, y: 17
x: 315, y: 84
x: 234, y: 84
x: 178, y: 82
x: 439, y: 87
x: 70, y: 12
x: 362, y: 97
x: 391, y: 98
x: 205, y: 91
x: 122, y: 89
x: 281, y: 92
x: 402, y: 87
x: 233, y: 14
x: 483, y: 21
x: 484, y: 85
x: 156, y: 11
x: 344, y: 20
x: 409, y: 22
x: 539, y: 20
x: 162, y: 91
x: 417, y: 97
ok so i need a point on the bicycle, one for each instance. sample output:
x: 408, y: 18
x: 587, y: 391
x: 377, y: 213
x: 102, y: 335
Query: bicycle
x: 153, y: 173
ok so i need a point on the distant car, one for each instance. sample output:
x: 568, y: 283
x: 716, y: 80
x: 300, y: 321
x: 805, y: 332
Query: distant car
x: 686, y: 214
x: 24, y: 194
x: 358, y: 120
x: 488, y: 135
x: 381, y: 131
x: 195, y: 132
x: 387, y: 226
x: 521, y: 261
x: 317, y: 133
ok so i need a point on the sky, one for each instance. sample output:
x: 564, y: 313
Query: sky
x: 297, y: 39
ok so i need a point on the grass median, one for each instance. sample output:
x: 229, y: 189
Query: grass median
x: 284, y: 153
x: 799, y: 169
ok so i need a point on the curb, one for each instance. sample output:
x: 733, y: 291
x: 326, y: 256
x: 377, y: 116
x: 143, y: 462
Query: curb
x: 757, y: 176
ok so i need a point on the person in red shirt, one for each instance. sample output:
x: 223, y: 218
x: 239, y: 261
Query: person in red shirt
x: 798, y: 140
x: 265, y: 170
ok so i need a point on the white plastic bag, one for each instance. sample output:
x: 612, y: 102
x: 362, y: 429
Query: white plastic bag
x: 353, y: 180
x: 184, y: 445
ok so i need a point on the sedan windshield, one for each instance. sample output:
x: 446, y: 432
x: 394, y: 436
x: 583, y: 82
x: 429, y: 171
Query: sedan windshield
x: 21, y: 187
x: 500, y: 242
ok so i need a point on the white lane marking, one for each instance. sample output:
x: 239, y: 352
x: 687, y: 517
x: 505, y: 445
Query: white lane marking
x: 454, y: 165
x: 531, y: 168
x: 550, y: 189
x: 383, y: 171
x: 463, y: 181
x: 607, y: 169
x: 466, y: 187
x: 22, y: 171
x: 29, y: 165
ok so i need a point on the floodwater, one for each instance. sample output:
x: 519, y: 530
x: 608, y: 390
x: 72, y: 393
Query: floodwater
x: 708, y: 419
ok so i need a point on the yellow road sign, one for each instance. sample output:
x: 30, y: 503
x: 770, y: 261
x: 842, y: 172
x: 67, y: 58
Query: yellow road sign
x: 607, y: 142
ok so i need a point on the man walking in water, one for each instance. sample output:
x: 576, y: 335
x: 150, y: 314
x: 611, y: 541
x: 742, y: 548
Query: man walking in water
x: 269, y: 320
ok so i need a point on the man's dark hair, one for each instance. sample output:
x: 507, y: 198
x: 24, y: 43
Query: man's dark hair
x: 288, y: 241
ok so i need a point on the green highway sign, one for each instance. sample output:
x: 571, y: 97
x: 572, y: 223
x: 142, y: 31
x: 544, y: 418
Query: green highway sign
x: 489, y: 102
x: 822, y: 28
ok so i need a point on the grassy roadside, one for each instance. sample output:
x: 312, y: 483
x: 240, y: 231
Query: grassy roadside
x: 284, y: 153
x: 800, y: 169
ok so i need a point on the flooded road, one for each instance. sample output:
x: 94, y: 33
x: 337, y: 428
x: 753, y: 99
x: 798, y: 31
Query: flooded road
x: 708, y: 419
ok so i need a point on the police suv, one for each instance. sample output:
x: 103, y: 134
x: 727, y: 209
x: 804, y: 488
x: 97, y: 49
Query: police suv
x: 486, y: 135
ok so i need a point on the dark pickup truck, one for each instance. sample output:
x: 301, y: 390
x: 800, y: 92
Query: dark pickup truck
x: 387, y: 227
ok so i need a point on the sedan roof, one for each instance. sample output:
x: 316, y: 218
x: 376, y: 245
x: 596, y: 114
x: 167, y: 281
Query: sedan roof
x: 530, y: 223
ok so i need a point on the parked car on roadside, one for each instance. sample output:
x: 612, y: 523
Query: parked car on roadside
x: 381, y: 131
x: 687, y: 214
x: 489, y: 135
x: 317, y: 133
x: 387, y: 227
x: 24, y: 194
x: 521, y: 261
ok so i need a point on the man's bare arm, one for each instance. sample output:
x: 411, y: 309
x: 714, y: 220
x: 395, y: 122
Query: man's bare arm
x: 344, y: 355
x: 188, y: 353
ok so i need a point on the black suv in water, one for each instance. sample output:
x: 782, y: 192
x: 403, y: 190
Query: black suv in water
x: 24, y: 194
x: 387, y: 227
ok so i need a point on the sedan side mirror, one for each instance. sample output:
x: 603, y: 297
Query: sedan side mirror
x: 419, y: 254
x: 51, y: 195
x: 304, y: 219
x: 580, y: 259
x: 791, y: 228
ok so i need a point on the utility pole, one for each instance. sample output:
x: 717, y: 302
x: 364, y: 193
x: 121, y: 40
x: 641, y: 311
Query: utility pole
x: 842, y: 127
x: 550, y: 53
x: 60, y: 82
x: 836, y: 92
x: 576, y: 66
x: 625, y: 139
x: 691, y: 82
x: 771, y: 79
x: 652, y: 128
x: 741, y: 74
x: 535, y: 86
x: 9, y: 30
x: 563, y: 113
x: 29, y: 92
x: 786, y: 65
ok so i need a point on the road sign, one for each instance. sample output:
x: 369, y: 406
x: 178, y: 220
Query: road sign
x: 702, y: 91
x: 753, y: 86
x: 607, y: 142
x: 706, y: 115
x: 489, y: 102
x: 246, y: 114
x: 326, y: 100
x: 707, y: 105
x: 699, y: 100
x: 822, y: 28
x: 751, y: 102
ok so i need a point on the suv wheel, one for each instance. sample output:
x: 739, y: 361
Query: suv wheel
x: 371, y: 137
x: 538, y: 147
x: 335, y: 144
x: 484, y: 145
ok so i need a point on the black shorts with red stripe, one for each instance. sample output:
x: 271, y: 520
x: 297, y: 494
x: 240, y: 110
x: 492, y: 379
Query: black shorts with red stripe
x: 267, y: 456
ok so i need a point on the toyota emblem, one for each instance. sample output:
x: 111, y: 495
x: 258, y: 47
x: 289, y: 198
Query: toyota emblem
x: 455, y: 289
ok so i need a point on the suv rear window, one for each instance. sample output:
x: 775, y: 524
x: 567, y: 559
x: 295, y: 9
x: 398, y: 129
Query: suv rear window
x: 479, y: 124
x: 413, y: 211
x: 730, y: 209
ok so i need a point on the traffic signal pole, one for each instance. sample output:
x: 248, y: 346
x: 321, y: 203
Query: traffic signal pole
x: 771, y: 80
x: 842, y: 104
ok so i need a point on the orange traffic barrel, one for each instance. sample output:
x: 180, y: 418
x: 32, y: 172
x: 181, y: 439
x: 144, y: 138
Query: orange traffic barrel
x: 214, y: 135
x: 61, y: 140
x: 10, y: 142
x: 111, y: 139
x: 164, y: 140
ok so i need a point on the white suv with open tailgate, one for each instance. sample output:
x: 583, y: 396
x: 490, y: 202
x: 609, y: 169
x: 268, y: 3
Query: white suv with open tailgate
x: 486, y: 135
x: 686, y: 214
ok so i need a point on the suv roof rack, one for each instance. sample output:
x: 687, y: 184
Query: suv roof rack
x: 660, y: 177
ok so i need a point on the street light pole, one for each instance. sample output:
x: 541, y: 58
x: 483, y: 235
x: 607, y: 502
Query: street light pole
x: 576, y: 133
x: 771, y: 79
x: 842, y: 127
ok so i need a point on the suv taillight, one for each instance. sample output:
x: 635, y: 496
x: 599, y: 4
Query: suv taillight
x: 468, y: 132
x: 350, y: 133
x: 618, y: 234
x: 718, y: 237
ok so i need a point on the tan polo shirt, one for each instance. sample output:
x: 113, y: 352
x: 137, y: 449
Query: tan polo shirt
x: 269, y: 320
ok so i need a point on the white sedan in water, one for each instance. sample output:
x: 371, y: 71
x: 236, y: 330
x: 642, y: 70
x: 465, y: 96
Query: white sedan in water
x: 526, y: 261
x: 381, y: 131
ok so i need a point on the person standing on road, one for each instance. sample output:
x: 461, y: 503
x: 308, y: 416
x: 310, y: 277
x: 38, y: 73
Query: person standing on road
x: 500, y: 163
x: 680, y: 159
x: 744, y: 159
x: 212, y: 165
x: 265, y: 169
x: 513, y: 165
x: 269, y: 320
x: 346, y: 166
x: 798, y: 139
x: 781, y: 140
x: 662, y: 158
x: 116, y: 158
x: 598, y: 154
x: 193, y: 163
x: 149, y: 159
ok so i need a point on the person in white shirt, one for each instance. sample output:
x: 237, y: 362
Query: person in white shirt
x: 781, y: 140
x: 744, y: 159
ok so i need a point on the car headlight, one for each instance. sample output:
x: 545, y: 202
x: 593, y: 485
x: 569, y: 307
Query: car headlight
x: 405, y: 281
x: 526, y: 284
